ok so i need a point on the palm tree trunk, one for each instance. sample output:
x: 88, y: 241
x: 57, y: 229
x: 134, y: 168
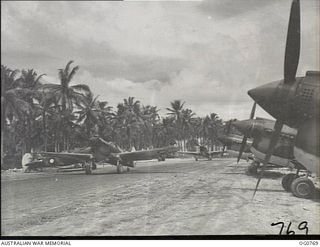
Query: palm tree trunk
x: 44, y: 127
x: 129, y: 137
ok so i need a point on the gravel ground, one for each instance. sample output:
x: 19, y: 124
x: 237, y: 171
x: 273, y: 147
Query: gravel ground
x: 175, y: 197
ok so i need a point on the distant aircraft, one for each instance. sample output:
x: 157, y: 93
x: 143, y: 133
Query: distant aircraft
x: 294, y: 101
x: 101, y: 150
x: 202, y: 152
x: 231, y: 141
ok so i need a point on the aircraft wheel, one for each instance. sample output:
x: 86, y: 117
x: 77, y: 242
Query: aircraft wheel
x: 302, y: 187
x: 210, y: 158
x: 128, y: 169
x: 94, y: 166
x: 27, y: 170
x: 252, y: 170
x: 88, y: 169
x: 196, y: 159
x: 287, y: 181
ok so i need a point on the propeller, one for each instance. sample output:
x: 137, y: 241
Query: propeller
x: 291, y: 61
x: 292, y: 52
x: 227, y: 133
x: 274, y: 139
x: 245, y: 137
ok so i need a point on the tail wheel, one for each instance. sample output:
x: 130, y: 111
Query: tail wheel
x: 302, y: 187
x: 287, y: 181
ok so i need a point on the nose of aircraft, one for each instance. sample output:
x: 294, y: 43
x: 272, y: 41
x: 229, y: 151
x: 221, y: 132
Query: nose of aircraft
x: 243, y: 126
x: 266, y: 96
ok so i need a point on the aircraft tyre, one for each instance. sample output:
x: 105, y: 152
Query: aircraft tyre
x: 27, y: 170
x: 196, y: 158
x: 128, y: 169
x: 303, y: 187
x: 252, y: 169
x: 94, y: 166
x: 287, y: 181
x: 162, y: 157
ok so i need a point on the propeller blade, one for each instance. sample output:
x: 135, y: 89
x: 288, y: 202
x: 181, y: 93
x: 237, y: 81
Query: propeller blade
x: 292, y: 52
x: 243, y: 145
x: 253, y: 110
x: 274, y: 139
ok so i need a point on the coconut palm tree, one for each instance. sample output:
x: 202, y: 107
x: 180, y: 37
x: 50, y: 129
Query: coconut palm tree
x: 176, y: 113
x: 91, y: 112
x: 65, y: 95
x: 13, y: 104
x: 176, y: 109
x: 212, y: 125
x: 129, y: 117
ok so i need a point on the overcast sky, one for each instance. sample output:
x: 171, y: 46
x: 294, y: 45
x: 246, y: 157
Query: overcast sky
x: 206, y: 53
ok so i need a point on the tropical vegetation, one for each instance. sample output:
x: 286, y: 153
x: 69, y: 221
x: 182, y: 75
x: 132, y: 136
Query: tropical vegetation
x: 39, y: 116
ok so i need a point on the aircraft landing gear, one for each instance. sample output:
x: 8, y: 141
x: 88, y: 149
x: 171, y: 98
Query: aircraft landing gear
x: 303, y: 187
x: 27, y: 170
x: 94, y: 166
x: 253, y: 168
x: 287, y: 181
x: 119, y: 167
x: 196, y: 158
x: 210, y: 157
x: 88, y: 168
x: 162, y: 157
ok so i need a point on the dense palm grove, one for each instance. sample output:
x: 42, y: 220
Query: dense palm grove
x: 40, y: 116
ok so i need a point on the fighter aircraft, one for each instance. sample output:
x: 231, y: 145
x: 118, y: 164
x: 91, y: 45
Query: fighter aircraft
x: 260, y: 129
x: 101, y: 150
x: 233, y: 141
x: 202, y: 152
x: 294, y: 101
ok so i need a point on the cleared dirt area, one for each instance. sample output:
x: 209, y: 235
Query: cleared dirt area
x: 175, y: 197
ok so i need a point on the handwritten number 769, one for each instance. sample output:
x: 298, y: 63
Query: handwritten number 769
x: 302, y: 226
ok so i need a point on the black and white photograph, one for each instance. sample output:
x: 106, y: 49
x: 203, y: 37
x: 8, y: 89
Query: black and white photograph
x: 162, y: 119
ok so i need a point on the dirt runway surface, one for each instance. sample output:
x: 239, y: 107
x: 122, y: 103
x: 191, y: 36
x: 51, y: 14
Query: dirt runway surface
x: 175, y: 197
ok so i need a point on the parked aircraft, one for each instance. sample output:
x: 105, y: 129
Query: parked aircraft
x: 202, y: 152
x: 260, y: 130
x: 294, y: 101
x: 101, y: 150
x: 233, y: 142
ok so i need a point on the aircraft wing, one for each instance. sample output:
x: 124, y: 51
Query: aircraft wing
x: 215, y: 152
x: 190, y: 153
x: 65, y: 158
x: 146, y: 154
